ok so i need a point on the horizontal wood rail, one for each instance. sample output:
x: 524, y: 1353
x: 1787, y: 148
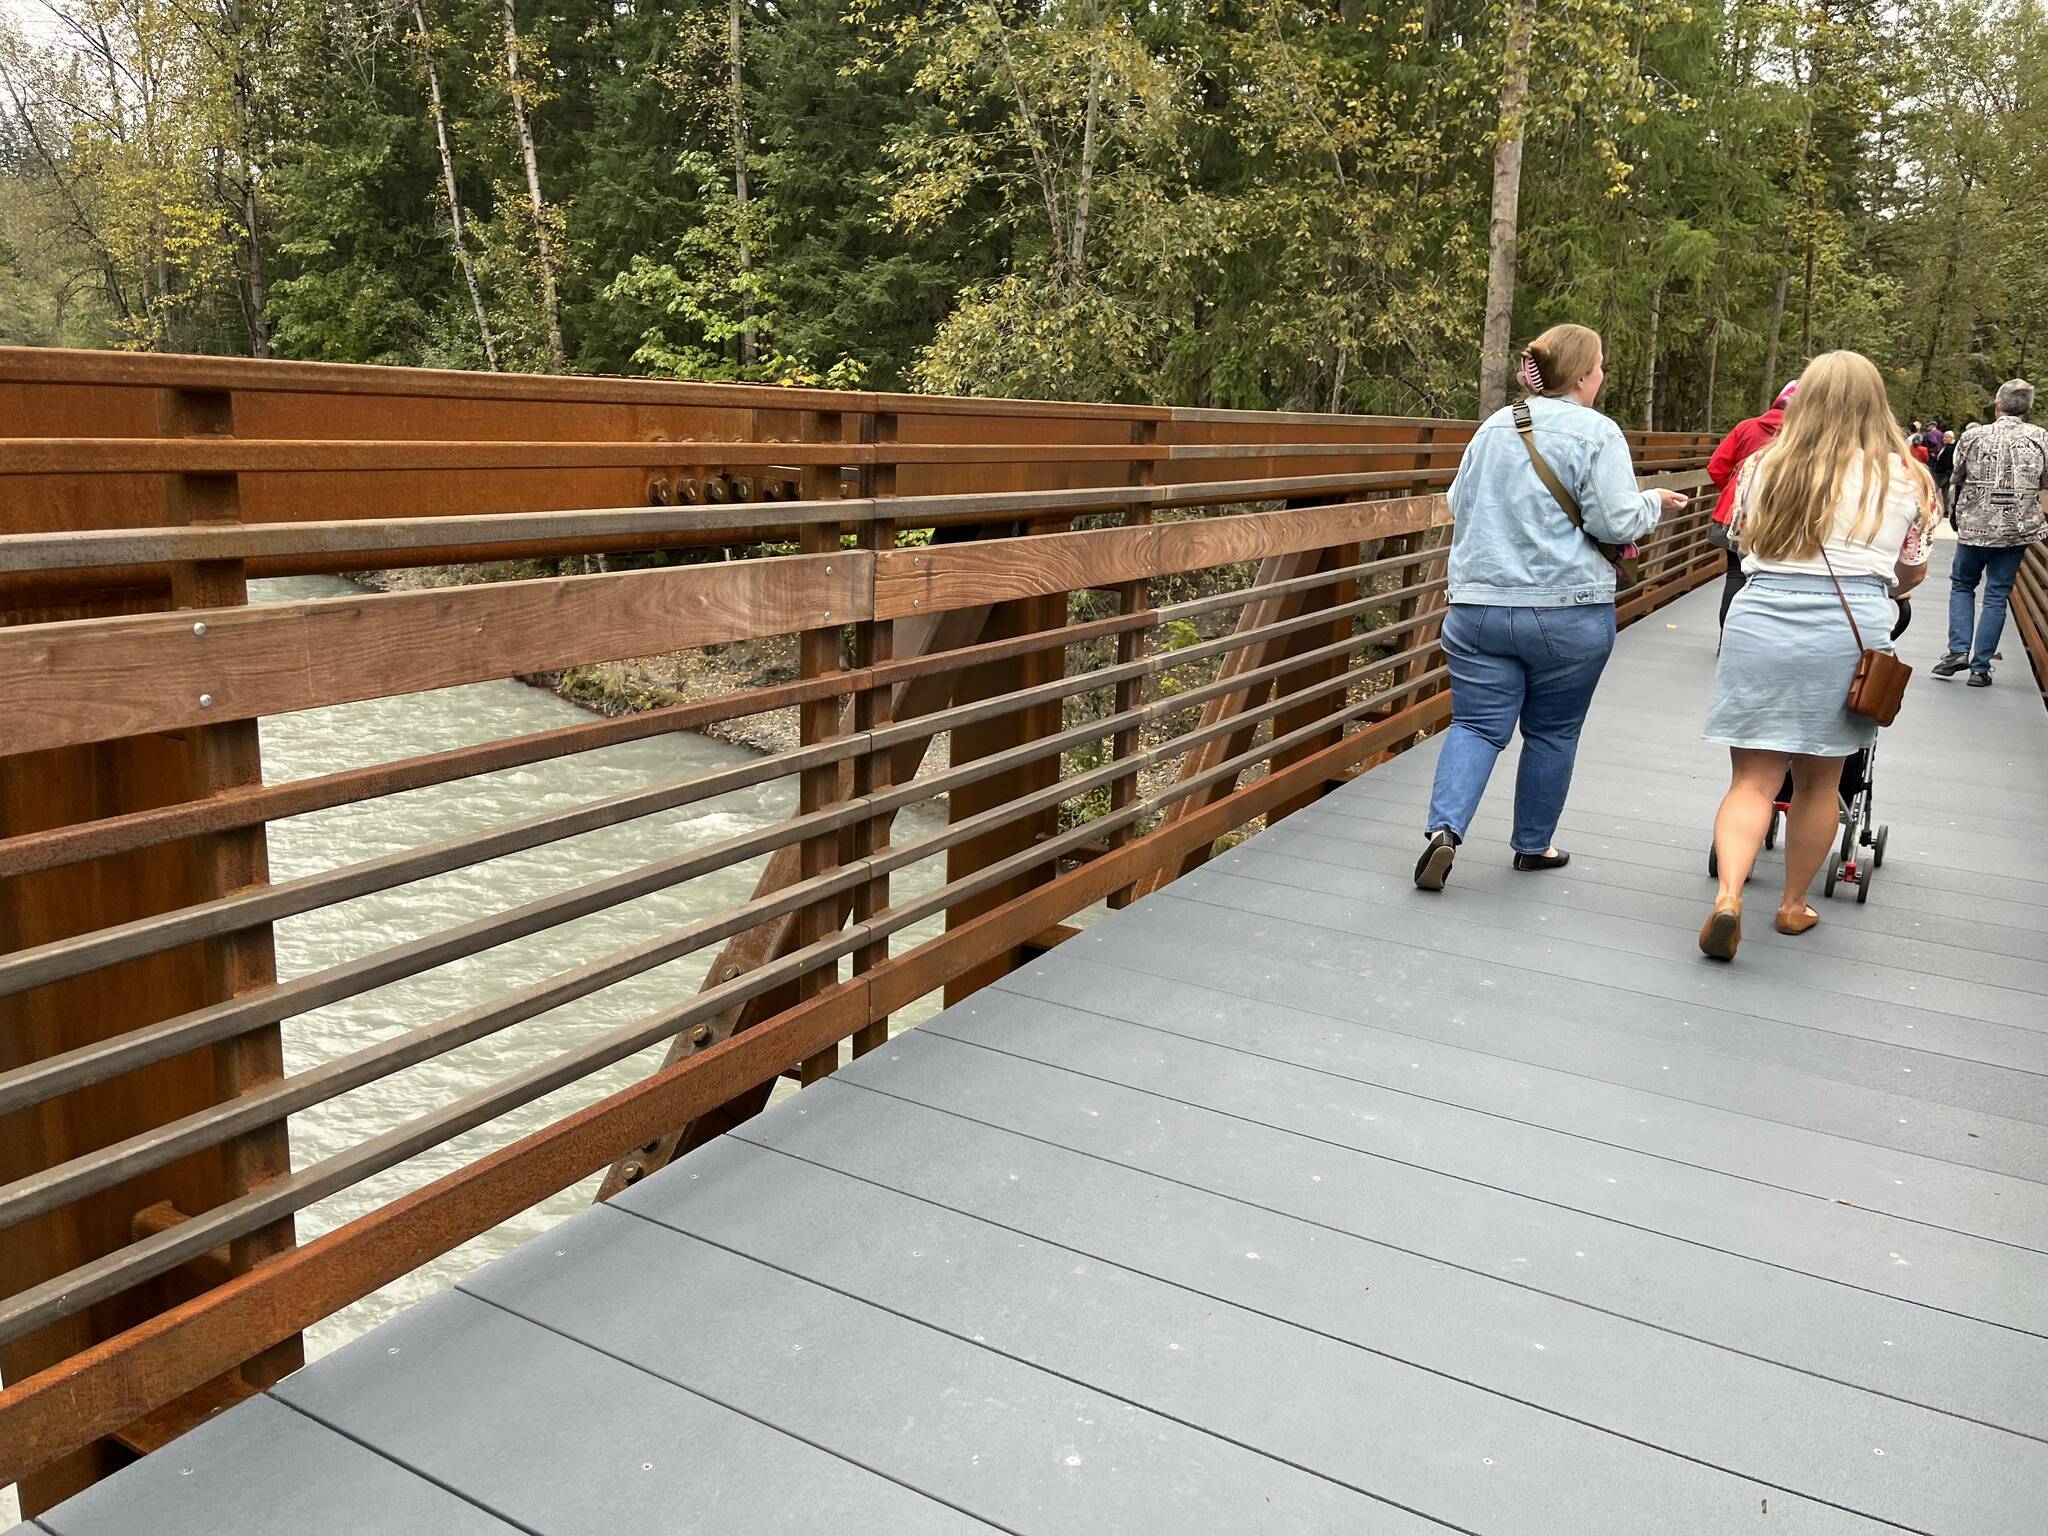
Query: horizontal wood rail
x: 1134, y: 630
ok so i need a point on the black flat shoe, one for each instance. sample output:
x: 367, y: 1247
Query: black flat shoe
x: 1434, y: 867
x: 1527, y: 862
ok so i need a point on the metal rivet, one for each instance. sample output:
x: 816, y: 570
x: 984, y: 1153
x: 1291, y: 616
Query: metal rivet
x: 828, y: 613
x: 206, y: 701
x: 700, y: 1034
x: 199, y: 629
x: 828, y: 570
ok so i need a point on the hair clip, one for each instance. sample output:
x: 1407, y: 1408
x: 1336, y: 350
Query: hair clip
x: 1531, y: 374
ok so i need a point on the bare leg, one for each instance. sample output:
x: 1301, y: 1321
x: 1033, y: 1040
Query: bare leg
x: 1810, y: 826
x: 1745, y: 816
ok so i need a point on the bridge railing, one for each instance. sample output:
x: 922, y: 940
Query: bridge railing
x: 2030, y: 612
x: 1137, y: 632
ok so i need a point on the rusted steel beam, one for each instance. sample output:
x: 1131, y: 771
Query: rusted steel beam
x: 330, y: 456
x: 57, y: 846
x: 96, y: 679
x: 1266, y: 615
x: 874, y: 644
x: 1336, y: 601
x: 926, y: 694
x: 227, y: 756
x: 1013, y: 729
x: 928, y: 581
x: 271, y: 547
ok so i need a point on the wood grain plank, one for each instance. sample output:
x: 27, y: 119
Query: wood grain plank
x: 943, y: 577
x: 96, y: 679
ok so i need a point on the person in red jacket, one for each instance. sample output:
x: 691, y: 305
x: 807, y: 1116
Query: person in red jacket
x: 1738, y: 445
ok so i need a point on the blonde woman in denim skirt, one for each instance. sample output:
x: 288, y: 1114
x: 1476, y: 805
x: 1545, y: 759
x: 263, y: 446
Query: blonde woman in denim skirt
x: 1834, y: 498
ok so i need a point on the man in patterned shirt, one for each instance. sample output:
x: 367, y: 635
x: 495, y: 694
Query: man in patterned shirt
x: 2000, y: 472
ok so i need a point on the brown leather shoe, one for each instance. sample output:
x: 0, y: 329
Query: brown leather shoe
x: 1797, y: 922
x: 1721, y: 934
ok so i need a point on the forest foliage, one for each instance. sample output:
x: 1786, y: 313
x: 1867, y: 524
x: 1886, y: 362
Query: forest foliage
x: 1254, y: 203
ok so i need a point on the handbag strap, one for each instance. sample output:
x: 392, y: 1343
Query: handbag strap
x: 1843, y: 598
x: 1526, y: 425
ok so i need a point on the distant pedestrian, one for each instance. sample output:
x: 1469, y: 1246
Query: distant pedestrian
x: 1995, y: 488
x: 1942, y: 465
x: 1746, y: 438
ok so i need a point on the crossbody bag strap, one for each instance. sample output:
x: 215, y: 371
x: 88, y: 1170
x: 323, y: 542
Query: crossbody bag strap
x: 1843, y: 598
x: 1526, y: 425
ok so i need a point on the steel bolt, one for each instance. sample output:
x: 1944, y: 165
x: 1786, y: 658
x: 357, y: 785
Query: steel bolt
x: 199, y: 629
x: 206, y: 701
x: 700, y: 1034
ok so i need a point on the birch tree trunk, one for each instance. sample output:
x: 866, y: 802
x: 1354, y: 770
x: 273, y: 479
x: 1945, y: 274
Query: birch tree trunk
x: 1078, y: 256
x: 243, y: 95
x: 1507, y: 204
x: 543, y: 247
x: 460, y: 237
x: 1712, y: 369
x: 1771, y: 339
x: 749, y: 345
x: 1650, y: 360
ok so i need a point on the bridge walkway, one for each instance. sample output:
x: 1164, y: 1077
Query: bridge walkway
x: 1292, y: 1199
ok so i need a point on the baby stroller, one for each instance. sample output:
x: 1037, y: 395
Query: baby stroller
x: 1860, y: 836
x: 1861, y: 852
x: 1861, y: 833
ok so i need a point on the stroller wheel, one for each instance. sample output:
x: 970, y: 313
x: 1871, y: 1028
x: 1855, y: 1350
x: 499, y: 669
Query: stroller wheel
x: 1863, y: 877
x: 1771, y: 832
x: 1834, y: 874
x: 1847, y: 852
x: 1713, y: 862
x: 1877, y: 848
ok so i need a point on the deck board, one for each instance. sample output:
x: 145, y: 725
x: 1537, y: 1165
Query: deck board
x: 1292, y: 1199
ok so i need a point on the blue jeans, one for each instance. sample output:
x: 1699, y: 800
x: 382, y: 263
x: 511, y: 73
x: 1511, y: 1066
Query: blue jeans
x: 1533, y: 666
x: 1997, y: 568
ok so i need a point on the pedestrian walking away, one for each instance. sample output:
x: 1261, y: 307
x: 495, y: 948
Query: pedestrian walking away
x: 1734, y: 451
x: 1995, y: 497
x: 1543, y: 495
x: 1832, y: 519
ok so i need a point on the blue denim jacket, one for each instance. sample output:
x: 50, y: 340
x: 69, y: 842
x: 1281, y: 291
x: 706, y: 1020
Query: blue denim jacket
x: 1511, y: 545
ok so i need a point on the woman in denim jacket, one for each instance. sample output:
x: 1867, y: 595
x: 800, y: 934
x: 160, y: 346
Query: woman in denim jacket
x: 1531, y: 620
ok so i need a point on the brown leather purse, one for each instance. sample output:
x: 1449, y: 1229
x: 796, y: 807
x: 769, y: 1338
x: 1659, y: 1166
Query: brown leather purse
x: 1879, y: 686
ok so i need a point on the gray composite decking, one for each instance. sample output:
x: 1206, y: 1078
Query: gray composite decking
x: 1295, y: 1200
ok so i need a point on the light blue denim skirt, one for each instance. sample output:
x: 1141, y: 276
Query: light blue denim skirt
x: 1787, y: 659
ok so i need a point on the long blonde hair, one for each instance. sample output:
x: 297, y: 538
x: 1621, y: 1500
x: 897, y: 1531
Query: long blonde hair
x: 1840, y: 418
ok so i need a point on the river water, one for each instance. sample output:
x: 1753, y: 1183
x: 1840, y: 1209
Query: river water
x: 382, y: 730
